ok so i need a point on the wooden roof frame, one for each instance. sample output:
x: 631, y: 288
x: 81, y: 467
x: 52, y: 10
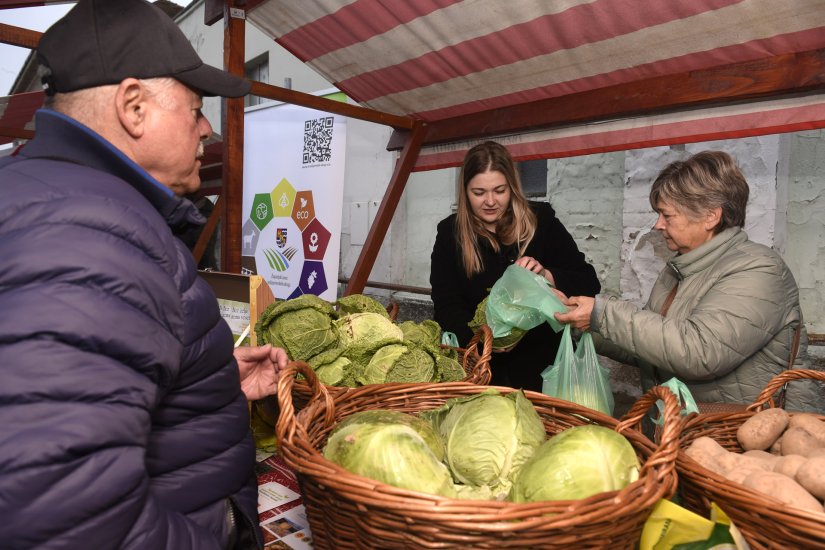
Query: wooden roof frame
x: 772, y: 78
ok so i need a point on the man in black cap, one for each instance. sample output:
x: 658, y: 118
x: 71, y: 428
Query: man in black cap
x: 124, y: 423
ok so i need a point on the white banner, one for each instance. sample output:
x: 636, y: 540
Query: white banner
x: 292, y: 198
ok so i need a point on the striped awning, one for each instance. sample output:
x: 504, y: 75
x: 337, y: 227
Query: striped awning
x: 557, y: 78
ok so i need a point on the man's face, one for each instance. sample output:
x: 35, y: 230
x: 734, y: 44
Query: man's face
x: 175, y: 130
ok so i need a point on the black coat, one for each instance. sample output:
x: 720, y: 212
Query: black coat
x: 455, y: 297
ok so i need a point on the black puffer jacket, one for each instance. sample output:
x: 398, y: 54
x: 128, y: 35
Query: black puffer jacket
x: 122, y: 422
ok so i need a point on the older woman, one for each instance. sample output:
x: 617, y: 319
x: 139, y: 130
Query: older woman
x: 724, y: 314
x: 495, y: 226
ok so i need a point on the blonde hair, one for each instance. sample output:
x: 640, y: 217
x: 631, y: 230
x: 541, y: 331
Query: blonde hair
x: 516, y: 226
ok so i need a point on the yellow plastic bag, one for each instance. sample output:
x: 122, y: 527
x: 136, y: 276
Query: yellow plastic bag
x: 672, y: 527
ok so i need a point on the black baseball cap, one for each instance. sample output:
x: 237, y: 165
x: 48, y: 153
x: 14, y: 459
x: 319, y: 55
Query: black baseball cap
x: 103, y: 42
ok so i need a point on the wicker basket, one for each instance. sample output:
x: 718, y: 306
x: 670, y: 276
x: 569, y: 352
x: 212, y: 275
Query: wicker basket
x: 764, y: 521
x: 350, y: 511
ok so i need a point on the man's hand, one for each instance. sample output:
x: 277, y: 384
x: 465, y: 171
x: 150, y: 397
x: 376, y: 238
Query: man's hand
x: 260, y: 368
x: 580, y: 308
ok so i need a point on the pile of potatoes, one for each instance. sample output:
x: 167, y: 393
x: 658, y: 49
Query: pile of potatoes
x: 784, y: 457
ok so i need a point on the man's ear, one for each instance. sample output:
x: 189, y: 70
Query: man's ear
x: 131, y: 103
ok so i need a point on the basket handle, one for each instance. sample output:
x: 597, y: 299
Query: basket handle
x: 483, y: 364
x: 392, y: 310
x: 286, y: 426
x: 776, y: 383
x: 664, y: 457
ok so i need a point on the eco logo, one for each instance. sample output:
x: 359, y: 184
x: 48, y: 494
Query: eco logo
x: 278, y: 220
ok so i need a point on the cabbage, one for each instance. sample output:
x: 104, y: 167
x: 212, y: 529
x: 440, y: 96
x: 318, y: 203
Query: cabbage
x: 575, y: 464
x: 383, y: 446
x: 488, y: 436
x: 359, y: 303
x: 448, y: 369
x: 302, y: 326
x: 427, y: 332
x: 480, y: 318
x: 367, y: 329
x: 404, y: 362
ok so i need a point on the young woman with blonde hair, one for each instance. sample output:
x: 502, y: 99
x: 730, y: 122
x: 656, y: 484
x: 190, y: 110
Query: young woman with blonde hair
x: 495, y: 226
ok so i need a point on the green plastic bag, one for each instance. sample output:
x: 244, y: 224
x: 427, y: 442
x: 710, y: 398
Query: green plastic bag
x: 577, y: 376
x: 681, y: 391
x: 449, y: 339
x: 521, y: 299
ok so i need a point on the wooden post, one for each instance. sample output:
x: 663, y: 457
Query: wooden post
x: 383, y: 217
x: 234, y: 19
x: 207, y: 231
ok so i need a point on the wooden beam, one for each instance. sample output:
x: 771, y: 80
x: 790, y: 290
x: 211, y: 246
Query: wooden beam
x: 331, y: 106
x: 16, y: 133
x: 207, y: 231
x: 379, y: 227
x: 772, y: 77
x: 232, y: 133
x: 12, y: 4
x: 18, y: 36
x: 212, y: 11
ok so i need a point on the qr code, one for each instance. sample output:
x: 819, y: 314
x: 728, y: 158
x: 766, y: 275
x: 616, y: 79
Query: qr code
x: 318, y: 140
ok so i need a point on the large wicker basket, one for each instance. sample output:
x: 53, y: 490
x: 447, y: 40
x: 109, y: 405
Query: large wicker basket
x: 350, y: 511
x: 764, y: 521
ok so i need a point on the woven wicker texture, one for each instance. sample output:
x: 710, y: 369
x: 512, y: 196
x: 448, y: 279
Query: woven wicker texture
x: 764, y: 521
x: 350, y: 511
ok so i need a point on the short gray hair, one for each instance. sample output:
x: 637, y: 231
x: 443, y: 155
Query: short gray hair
x: 704, y: 181
x: 83, y: 105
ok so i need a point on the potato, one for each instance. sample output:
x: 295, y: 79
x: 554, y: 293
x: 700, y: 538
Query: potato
x: 708, y: 445
x: 811, y: 475
x: 705, y: 454
x: 762, y: 429
x: 811, y: 424
x: 739, y: 475
x: 797, y: 441
x: 783, y: 489
x: 788, y: 465
x: 734, y: 461
x: 762, y: 455
x: 776, y: 448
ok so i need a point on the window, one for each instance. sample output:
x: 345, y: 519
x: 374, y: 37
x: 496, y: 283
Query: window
x: 533, y: 174
x: 257, y: 69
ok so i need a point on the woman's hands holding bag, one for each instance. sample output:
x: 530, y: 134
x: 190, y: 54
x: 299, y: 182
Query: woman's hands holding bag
x: 579, y: 309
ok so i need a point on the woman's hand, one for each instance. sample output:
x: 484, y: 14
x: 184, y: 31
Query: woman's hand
x: 260, y: 368
x: 580, y: 308
x: 532, y: 264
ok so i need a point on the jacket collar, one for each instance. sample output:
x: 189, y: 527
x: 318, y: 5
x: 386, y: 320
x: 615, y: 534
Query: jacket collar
x: 60, y: 137
x: 705, y: 255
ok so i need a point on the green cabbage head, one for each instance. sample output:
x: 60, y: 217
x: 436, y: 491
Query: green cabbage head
x: 359, y: 303
x: 393, y: 448
x: 303, y: 326
x: 365, y: 330
x: 575, y: 464
x: 488, y: 436
x: 480, y: 318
